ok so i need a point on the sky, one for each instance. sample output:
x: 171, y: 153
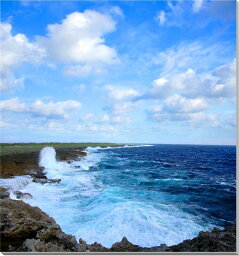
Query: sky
x: 118, y: 71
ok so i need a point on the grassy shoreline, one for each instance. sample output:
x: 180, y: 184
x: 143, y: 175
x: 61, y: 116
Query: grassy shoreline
x: 16, y: 148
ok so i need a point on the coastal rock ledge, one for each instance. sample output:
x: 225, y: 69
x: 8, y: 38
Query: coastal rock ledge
x: 27, y: 229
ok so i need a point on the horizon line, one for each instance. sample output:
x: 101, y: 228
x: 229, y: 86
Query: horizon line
x: 123, y: 143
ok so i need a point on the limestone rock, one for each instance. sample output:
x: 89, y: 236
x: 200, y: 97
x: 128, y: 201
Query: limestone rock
x: 4, y: 193
x: 20, y: 195
x: 125, y: 246
x: 27, y: 228
x: 45, y: 180
x: 215, y: 241
x: 95, y: 247
x: 37, y: 174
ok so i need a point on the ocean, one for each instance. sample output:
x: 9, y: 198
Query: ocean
x: 152, y: 194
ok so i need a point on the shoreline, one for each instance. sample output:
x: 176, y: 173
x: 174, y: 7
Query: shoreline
x: 18, y: 164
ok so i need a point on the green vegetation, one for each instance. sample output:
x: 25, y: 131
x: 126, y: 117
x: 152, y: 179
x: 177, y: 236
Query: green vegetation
x: 13, y: 148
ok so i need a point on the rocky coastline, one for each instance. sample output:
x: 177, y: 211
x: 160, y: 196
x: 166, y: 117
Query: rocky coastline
x: 28, y: 229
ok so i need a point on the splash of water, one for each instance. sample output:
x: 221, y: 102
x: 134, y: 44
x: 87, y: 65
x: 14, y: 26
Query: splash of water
x: 48, y: 158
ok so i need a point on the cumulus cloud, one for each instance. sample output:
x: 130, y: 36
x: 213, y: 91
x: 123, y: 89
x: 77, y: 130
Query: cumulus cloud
x: 160, y: 114
x: 179, y: 104
x: 77, y: 42
x: 14, y: 105
x: 79, y: 38
x: 15, y: 50
x: 123, y: 100
x: 185, y: 96
x: 178, y: 108
x: 120, y: 93
x: 60, y: 109
x: 218, y: 83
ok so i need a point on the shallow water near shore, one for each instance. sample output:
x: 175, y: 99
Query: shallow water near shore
x: 150, y: 194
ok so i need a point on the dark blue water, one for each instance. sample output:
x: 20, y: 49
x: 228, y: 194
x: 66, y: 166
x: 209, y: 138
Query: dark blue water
x: 152, y: 195
x: 200, y: 180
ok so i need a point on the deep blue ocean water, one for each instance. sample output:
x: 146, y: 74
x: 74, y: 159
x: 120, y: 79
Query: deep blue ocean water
x: 150, y: 194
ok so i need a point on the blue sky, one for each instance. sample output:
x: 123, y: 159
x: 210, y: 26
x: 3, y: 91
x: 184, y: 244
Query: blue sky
x: 118, y: 71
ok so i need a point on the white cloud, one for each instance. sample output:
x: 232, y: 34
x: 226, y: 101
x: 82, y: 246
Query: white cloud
x: 8, y: 81
x: 15, y: 50
x: 116, y: 10
x: 178, y: 108
x: 14, y: 105
x: 54, y: 109
x: 226, y: 80
x: 123, y: 100
x: 79, y: 39
x: 179, y: 104
x: 197, y: 4
x: 180, y: 13
x: 218, y: 83
x: 159, y: 83
x: 161, y: 17
x: 185, y: 96
x: 60, y: 109
x: 159, y: 114
x: 120, y: 93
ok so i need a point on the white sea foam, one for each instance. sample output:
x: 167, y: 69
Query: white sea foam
x: 142, y: 224
x: 137, y: 146
x: 91, y: 159
x: 126, y: 146
x: 16, y: 183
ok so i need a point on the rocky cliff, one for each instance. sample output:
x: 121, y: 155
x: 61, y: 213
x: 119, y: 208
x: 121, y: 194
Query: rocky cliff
x: 20, y: 163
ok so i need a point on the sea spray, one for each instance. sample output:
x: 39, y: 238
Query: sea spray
x: 53, y: 168
x: 48, y: 158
